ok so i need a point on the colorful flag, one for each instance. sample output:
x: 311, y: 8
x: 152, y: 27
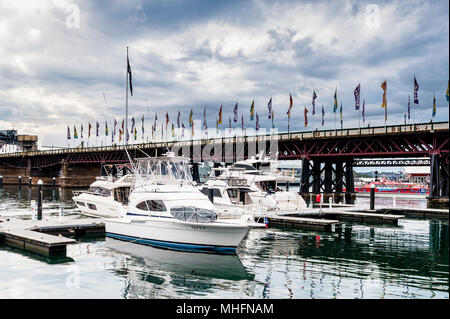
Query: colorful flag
x: 167, y: 118
x: 290, y: 105
x: 120, y: 135
x: 269, y: 106
x: 106, y: 128
x: 447, y: 94
x: 356, y: 93
x: 363, y: 109
x: 384, y: 87
x: 314, y: 102
x: 97, y: 127
x: 142, y: 125
x: 335, y: 105
x: 235, y: 112
x: 115, y: 124
x: 323, y: 115
x: 173, y: 130
x: 132, y: 124
x: 242, y: 121
x: 220, y: 115
x: 129, y: 73
x: 153, y: 131
x: 434, y: 106
x: 89, y: 130
x: 75, y: 134
x: 135, y: 133
x: 340, y: 111
x: 409, y: 107
x: 178, y: 119
x: 416, y: 88
x: 257, y: 121
x: 205, y: 124
x: 306, y: 116
x: 182, y: 129
x: 81, y: 130
x: 252, y: 110
x: 190, y: 119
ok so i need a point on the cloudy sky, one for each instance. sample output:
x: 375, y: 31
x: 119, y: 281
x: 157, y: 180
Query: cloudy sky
x: 63, y: 62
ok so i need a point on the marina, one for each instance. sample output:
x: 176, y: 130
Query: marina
x: 248, y: 153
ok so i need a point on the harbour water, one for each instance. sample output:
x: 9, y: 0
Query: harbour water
x: 356, y: 261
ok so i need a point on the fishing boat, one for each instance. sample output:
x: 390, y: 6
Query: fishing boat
x: 106, y: 197
x: 166, y: 210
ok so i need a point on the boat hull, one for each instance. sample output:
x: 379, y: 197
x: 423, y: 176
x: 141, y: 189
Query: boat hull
x: 217, y: 237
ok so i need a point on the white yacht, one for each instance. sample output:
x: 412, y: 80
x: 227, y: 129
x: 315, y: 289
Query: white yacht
x: 261, y: 178
x: 166, y: 210
x: 106, y: 197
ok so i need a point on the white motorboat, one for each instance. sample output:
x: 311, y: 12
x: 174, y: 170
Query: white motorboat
x: 106, y: 197
x: 166, y: 210
x: 253, y: 185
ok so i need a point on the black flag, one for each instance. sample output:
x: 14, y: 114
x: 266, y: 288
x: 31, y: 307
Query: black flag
x: 129, y: 72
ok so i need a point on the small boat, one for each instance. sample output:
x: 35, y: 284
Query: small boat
x: 106, y: 197
x: 166, y: 210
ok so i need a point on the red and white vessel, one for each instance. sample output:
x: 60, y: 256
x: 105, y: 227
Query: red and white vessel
x: 385, y: 186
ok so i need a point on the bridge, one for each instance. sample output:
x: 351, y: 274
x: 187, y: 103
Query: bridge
x: 328, y: 156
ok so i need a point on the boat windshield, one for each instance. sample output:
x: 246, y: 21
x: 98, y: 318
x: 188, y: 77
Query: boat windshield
x: 193, y: 214
x: 165, y: 169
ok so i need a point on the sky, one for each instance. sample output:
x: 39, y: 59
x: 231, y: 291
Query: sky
x: 63, y: 63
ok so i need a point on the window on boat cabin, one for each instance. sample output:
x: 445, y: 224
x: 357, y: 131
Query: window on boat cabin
x: 92, y: 206
x: 81, y: 203
x: 121, y: 194
x: 216, y: 192
x: 266, y: 185
x: 100, y: 191
x: 152, y: 205
x: 232, y: 193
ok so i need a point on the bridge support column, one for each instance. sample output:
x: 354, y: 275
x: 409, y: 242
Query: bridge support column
x: 349, y: 178
x: 304, y: 181
x: 216, y: 165
x: 28, y: 167
x: 434, y: 176
x: 338, y: 176
x: 195, y: 173
x: 328, y: 177
x: 316, y: 177
x: 444, y: 179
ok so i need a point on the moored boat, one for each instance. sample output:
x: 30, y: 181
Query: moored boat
x: 166, y: 210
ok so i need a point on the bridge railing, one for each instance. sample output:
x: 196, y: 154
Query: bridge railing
x: 376, y: 130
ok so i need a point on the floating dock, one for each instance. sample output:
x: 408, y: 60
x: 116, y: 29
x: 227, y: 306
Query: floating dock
x: 46, y: 237
x: 297, y: 222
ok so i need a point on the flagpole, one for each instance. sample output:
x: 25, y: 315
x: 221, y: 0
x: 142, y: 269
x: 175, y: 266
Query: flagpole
x: 126, y: 103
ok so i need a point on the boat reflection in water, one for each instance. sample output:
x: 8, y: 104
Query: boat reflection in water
x: 157, y: 273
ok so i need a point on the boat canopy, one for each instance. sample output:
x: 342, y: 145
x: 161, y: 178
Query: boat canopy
x: 193, y: 214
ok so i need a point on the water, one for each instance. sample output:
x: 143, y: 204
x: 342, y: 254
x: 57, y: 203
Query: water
x: 359, y: 261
